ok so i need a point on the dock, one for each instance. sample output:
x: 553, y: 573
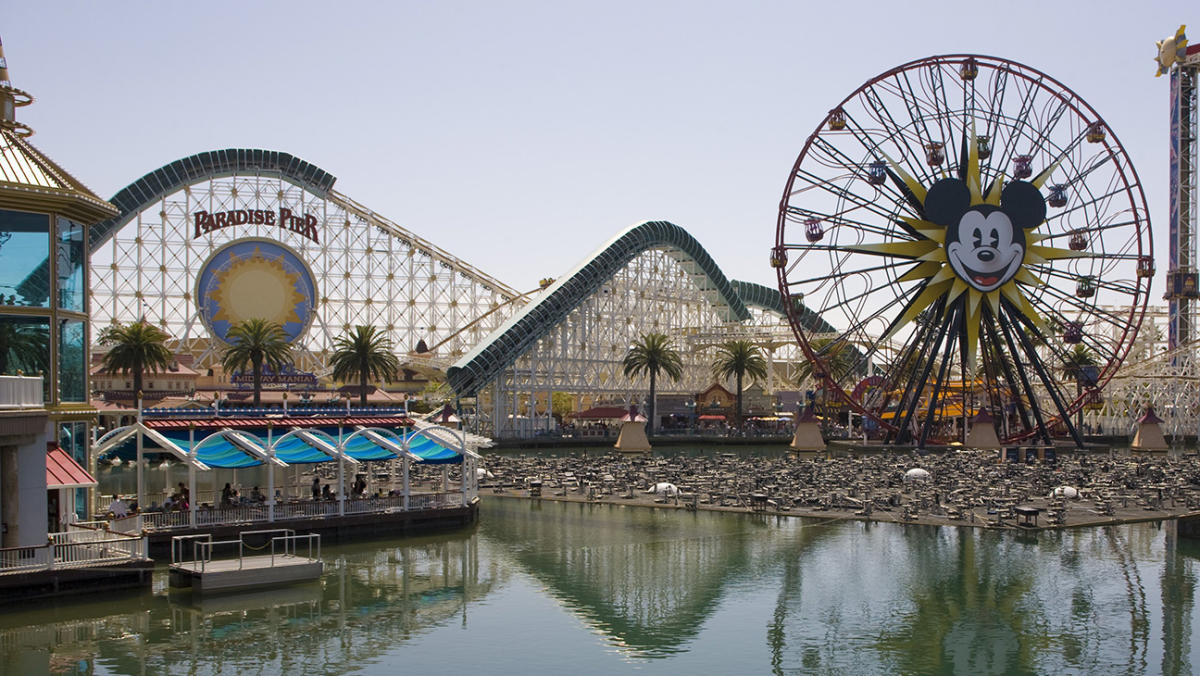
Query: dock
x: 286, y: 558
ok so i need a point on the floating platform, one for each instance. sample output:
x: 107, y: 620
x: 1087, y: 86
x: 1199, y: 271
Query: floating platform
x: 291, y: 559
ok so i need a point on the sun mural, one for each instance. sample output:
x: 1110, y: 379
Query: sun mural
x: 255, y: 279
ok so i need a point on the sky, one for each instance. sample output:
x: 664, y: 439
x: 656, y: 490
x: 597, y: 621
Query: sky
x: 521, y: 136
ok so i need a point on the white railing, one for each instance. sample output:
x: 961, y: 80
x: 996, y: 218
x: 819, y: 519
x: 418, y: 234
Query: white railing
x: 290, y: 511
x: 20, y: 392
x: 78, y: 547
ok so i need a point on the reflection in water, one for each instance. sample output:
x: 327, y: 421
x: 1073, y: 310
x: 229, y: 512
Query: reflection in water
x: 663, y: 591
x: 646, y: 578
x: 371, y: 599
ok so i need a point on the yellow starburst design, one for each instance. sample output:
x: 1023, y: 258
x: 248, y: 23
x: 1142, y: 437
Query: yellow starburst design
x: 256, y: 287
x: 933, y: 269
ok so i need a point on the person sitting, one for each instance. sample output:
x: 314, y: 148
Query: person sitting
x: 360, y: 486
x: 326, y: 493
x: 227, y: 496
x: 257, y: 496
x: 316, y: 488
x: 118, y: 508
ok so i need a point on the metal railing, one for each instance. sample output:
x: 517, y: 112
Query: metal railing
x: 290, y: 511
x: 81, y: 546
x: 202, y: 547
x: 20, y: 392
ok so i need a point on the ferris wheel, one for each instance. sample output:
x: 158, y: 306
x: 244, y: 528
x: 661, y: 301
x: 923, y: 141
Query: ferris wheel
x: 979, y: 241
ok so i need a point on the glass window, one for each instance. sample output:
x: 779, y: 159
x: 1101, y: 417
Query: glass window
x: 69, y: 264
x: 24, y: 345
x: 73, y: 438
x: 72, y: 368
x: 24, y: 259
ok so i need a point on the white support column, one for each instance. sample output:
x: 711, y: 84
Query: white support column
x: 193, y: 498
x: 270, y: 464
x: 341, y: 491
x: 270, y: 491
x: 404, y: 463
x: 445, y: 478
x: 141, y: 477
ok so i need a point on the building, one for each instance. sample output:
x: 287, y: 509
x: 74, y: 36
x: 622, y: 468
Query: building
x: 45, y: 214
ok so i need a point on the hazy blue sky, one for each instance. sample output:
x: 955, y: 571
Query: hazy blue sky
x: 522, y: 135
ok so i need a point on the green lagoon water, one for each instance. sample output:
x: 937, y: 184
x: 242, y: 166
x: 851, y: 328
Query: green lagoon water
x: 555, y: 588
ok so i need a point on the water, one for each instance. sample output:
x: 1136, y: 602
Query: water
x: 553, y: 588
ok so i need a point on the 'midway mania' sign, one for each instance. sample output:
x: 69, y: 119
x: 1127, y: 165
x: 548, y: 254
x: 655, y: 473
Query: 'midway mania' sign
x: 288, y: 375
x: 304, y: 225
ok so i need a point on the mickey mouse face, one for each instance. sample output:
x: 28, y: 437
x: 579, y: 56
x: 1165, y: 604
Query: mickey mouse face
x: 986, y: 249
x: 985, y: 245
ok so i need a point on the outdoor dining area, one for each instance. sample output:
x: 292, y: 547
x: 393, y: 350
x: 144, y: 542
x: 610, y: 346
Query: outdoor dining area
x: 302, y: 467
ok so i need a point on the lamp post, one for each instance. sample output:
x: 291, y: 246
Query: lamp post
x: 691, y: 407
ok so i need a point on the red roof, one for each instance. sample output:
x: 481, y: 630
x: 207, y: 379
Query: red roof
x: 248, y: 423
x: 63, y: 472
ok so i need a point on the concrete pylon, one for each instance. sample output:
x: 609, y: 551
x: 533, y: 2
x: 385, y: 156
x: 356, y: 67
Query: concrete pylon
x: 982, y: 435
x: 808, y: 432
x: 633, y: 433
x: 1149, y: 436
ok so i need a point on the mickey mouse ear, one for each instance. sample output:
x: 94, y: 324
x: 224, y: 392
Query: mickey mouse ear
x: 1024, y: 204
x: 946, y: 201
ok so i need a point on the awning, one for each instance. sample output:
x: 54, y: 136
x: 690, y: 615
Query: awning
x: 63, y: 472
x: 712, y: 417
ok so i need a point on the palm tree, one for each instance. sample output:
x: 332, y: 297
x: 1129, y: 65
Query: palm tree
x: 364, y: 354
x: 1076, y: 364
x: 253, y: 343
x: 651, y: 354
x: 24, y: 346
x: 739, y: 358
x: 838, y: 356
x: 136, y: 347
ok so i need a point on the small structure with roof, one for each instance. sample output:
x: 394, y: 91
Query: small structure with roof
x: 1149, y: 437
x: 633, y: 433
x: 808, y: 432
x: 982, y: 435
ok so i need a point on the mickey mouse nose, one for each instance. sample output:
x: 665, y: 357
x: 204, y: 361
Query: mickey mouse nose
x: 987, y: 255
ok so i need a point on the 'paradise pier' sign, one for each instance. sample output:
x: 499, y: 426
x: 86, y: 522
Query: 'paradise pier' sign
x: 304, y: 225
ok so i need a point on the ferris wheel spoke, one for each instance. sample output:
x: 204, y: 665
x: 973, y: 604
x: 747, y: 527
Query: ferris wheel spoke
x: 892, y: 130
x: 858, y: 134
x: 1095, y: 229
x: 875, y: 268
x: 804, y: 214
x: 861, y: 202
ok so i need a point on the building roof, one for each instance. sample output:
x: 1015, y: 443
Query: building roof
x: 63, y: 472
x: 30, y: 180
x: 281, y: 422
x: 176, y: 370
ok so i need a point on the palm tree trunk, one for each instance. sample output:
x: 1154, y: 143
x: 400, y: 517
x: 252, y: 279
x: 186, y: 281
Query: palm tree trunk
x: 137, y: 379
x: 258, y: 383
x: 362, y: 380
x: 739, y: 399
x: 650, y: 404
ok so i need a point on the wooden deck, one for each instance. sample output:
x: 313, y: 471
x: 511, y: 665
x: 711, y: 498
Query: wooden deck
x: 246, y: 572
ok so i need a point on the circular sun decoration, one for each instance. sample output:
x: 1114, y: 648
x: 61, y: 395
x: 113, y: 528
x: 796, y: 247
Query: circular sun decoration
x: 255, y: 279
x: 980, y: 242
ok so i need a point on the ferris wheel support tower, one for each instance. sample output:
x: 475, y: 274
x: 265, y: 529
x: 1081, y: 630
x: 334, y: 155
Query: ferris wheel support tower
x: 1183, y: 289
